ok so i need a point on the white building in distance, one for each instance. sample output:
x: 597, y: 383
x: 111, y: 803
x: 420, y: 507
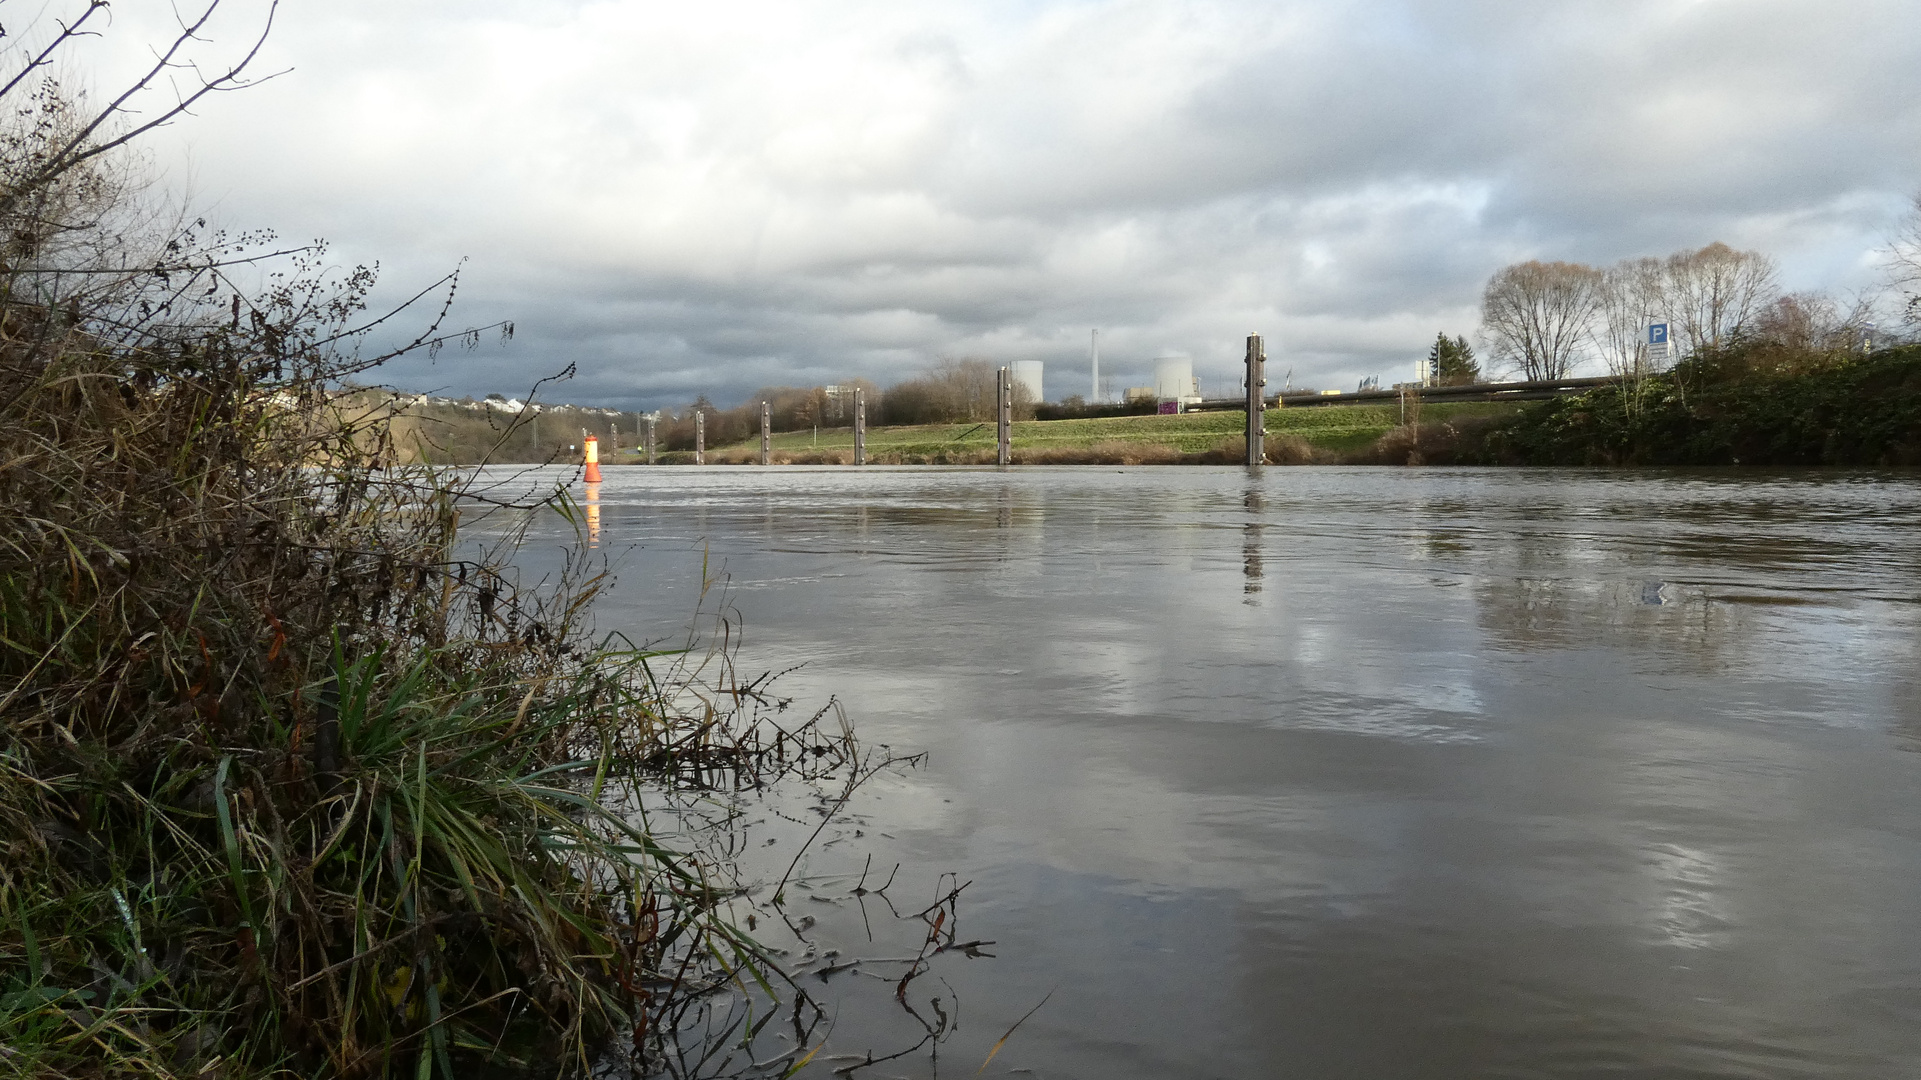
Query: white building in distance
x: 1174, y: 380
x: 1028, y: 373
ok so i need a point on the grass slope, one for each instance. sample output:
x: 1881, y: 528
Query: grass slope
x: 1336, y: 430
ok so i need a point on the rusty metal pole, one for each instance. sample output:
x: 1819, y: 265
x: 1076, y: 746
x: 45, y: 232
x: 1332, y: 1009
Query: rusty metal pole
x: 860, y: 426
x: 650, y: 441
x: 700, y: 437
x: 766, y: 431
x: 1256, y: 401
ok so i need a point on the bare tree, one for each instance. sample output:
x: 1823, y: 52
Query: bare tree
x: 1632, y: 292
x: 1716, y: 293
x: 1538, y: 315
x: 1904, y: 261
x: 1811, y: 329
x: 953, y: 391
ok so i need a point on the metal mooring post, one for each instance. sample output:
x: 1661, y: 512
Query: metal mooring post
x: 860, y: 426
x: 766, y: 431
x: 700, y: 437
x: 650, y: 441
x: 1004, y: 417
x: 1256, y: 401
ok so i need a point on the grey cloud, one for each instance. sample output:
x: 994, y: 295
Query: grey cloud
x: 689, y: 201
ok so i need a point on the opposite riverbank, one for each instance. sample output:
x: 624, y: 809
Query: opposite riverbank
x: 1739, y: 407
x: 1298, y: 436
x: 1751, y: 405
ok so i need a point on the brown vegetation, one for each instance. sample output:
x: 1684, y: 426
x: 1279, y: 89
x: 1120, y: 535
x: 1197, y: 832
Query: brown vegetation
x: 296, y: 778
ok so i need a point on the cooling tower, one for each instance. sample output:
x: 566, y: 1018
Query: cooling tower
x: 1027, y: 373
x: 1174, y: 379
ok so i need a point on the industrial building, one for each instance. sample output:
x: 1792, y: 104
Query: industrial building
x: 1027, y: 373
x: 1174, y: 381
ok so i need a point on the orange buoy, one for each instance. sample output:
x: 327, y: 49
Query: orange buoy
x: 592, y: 475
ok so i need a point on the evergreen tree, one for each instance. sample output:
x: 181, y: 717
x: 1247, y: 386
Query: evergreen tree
x: 1452, y: 361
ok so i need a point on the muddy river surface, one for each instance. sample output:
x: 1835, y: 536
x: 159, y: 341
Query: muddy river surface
x: 1367, y: 773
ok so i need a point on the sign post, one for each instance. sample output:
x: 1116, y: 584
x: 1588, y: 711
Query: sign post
x: 1659, y: 342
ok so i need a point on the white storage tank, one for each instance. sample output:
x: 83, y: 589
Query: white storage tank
x: 1174, y: 380
x: 1027, y: 373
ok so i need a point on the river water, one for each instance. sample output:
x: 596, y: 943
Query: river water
x: 1325, y: 772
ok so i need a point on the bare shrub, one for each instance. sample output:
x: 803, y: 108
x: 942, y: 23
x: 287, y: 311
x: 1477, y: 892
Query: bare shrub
x: 1904, y: 261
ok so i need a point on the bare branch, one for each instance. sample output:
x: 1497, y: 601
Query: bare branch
x: 79, y: 148
x: 68, y: 31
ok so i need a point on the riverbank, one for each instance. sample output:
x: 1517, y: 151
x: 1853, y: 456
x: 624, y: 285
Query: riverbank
x: 1740, y: 407
x: 1322, y: 435
x: 1736, y: 408
x: 297, y: 775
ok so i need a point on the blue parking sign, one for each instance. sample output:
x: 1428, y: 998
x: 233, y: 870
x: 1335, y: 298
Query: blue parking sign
x: 1657, y: 333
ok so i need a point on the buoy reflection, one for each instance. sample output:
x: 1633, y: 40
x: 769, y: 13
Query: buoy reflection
x: 593, y: 515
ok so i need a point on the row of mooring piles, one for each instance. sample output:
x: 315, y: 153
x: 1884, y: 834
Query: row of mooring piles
x: 1255, y: 384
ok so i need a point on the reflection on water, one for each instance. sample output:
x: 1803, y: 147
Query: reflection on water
x: 1251, y: 546
x: 1349, y: 772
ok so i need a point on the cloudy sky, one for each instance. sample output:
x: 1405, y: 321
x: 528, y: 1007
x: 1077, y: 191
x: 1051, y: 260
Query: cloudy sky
x: 707, y: 198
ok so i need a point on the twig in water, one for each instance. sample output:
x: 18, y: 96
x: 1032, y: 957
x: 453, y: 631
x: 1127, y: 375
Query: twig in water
x: 1010, y: 1033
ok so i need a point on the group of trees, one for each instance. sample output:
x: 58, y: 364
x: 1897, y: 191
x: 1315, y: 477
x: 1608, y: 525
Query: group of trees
x: 790, y: 408
x: 1452, y: 361
x: 950, y: 392
x: 1545, y: 318
x: 1542, y: 318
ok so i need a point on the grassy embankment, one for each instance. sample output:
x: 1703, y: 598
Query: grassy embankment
x: 1321, y: 434
x: 1755, y: 404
